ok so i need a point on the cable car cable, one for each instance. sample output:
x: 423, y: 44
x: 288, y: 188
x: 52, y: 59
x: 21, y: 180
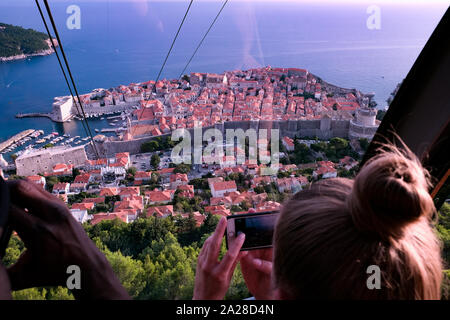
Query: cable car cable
x: 59, y: 61
x: 167, y: 56
x: 49, y: 12
x: 201, y: 41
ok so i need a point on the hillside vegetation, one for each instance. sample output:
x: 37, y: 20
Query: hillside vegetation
x: 17, y: 40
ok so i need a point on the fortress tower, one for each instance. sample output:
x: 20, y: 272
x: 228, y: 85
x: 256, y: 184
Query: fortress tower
x: 62, y: 109
x: 364, y: 125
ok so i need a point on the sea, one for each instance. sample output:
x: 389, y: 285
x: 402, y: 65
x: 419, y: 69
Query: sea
x: 362, y: 45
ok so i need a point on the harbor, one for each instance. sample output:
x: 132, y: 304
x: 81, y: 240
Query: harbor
x: 68, y: 134
x: 21, y: 136
x: 31, y: 139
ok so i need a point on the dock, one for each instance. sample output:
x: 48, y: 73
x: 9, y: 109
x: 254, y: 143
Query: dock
x: 113, y: 129
x: 15, y: 138
x: 114, y: 117
x: 34, y: 115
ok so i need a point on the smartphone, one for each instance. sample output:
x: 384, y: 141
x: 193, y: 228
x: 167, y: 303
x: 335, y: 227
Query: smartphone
x: 5, y: 230
x: 257, y: 227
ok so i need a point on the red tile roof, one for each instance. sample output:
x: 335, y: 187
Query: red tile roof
x: 160, y: 196
x: 94, y: 200
x: 60, y: 186
x: 82, y: 178
x: 123, y: 216
x: 179, y: 177
x: 160, y: 211
x: 83, y: 206
x: 109, y: 191
x: 224, y: 185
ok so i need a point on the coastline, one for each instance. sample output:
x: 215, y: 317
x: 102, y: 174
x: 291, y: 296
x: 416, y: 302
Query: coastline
x: 22, y: 56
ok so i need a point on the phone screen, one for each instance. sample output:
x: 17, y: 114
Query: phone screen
x: 258, y: 229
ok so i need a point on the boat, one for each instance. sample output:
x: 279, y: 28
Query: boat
x: 96, y: 130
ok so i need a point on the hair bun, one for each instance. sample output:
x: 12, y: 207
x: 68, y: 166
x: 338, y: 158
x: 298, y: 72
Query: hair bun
x: 390, y: 192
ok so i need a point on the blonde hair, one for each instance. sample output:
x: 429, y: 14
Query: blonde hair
x: 329, y: 234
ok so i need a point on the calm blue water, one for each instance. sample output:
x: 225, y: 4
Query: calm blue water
x: 120, y: 43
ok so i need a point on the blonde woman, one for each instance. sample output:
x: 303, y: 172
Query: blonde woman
x: 328, y: 237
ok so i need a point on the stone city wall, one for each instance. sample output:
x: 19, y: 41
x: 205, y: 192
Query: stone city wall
x: 323, y: 129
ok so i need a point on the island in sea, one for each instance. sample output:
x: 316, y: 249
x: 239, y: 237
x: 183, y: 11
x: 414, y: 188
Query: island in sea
x: 19, y: 43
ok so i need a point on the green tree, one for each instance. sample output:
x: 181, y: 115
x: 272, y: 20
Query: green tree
x: 186, y: 78
x: 16, y: 40
x: 56, y: 293
x: 155, y: 178
x: 199, y: 183
x: 238, y: 289
x: 102, y: 207
x: 132, y: 171
x: 48, y: 145
x: 169, y: 269
x: 381, y: 114
x: 131, y: 239
x: 13, y: 251
x: 364, y: 144
x: 30, y: 294
x: 150, y: 146
x: 59, y: 293
x: 259, y: 189
x: 75, y: 172
x: 182, y: 168
x: 236, y: 208
x: 320, y: 146
x: 245, y: 205
x: 155, y: 160
x: 50, y: 182
x: 443, y: 229
x: 129, y: 271
x: 338, y: 143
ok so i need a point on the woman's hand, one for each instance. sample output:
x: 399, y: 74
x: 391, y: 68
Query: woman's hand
x: 213, y: 277
x: 5, y: 288
x: 256, y: 268
x: 54, y: 240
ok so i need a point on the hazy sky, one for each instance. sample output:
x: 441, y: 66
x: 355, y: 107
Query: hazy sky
x: 405, y: 2
x: 440, y: 3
